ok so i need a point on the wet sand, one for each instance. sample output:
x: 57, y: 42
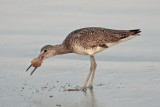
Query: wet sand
x: 134, y: 84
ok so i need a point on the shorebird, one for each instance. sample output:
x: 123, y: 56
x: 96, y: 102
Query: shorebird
x: 87, y: 41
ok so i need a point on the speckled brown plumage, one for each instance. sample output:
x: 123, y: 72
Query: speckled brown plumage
x: 95, y: 36
x: 90, y: 40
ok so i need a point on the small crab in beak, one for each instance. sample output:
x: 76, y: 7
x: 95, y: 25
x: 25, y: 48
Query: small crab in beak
x: 36, y: 62
x: 45, y: 52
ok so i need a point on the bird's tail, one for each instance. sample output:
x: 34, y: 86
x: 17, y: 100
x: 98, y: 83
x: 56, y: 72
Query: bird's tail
x: 134, y: 32
x: 131, y: 34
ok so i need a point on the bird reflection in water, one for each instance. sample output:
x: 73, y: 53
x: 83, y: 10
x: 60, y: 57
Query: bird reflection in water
x: 89, y: 100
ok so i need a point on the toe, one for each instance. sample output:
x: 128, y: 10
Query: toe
x: 83, y: 88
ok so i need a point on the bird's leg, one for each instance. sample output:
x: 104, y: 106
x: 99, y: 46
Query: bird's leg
x: 84, y: 86
x: 93, y: 67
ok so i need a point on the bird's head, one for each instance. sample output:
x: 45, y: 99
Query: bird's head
x: 46, y: 52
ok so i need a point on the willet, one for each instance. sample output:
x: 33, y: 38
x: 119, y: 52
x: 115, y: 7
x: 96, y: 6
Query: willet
x: 86, y: 41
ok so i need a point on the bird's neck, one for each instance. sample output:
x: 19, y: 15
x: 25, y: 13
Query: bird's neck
x: 60, y: 49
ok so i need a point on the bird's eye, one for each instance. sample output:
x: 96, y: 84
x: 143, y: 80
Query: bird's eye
x: 45, y: 50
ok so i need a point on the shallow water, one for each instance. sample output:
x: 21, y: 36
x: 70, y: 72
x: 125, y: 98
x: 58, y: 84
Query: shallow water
x: 127, y: 74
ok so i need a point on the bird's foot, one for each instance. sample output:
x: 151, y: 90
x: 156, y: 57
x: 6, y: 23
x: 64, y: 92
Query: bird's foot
x: 77, y: 89
x: 83, y: 89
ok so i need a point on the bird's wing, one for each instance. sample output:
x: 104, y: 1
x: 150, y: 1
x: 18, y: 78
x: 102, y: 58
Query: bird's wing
x: 93, y: 36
